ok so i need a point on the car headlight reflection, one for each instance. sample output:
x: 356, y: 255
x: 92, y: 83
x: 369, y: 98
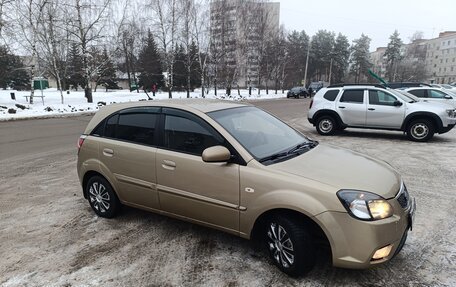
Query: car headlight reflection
x: 365, y: 205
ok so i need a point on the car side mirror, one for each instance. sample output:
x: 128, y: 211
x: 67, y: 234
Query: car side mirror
x: 448, y: 97
x: 397, y: 103
x: 216, y: 153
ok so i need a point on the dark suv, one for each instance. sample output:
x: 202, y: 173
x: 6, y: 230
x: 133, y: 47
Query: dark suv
x: 297, y: 92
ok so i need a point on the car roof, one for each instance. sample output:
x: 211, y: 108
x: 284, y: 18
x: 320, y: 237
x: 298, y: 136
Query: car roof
x: 191, y: 105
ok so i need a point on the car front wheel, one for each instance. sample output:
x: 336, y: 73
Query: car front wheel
x: 290, y: 246
x: 326, y: 125
x: 101, y: 197
x: 420, y: 130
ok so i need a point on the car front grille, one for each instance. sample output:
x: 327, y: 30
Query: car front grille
x: 403, y: 196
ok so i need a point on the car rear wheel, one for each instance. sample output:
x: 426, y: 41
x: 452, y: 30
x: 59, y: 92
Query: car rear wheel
x: 326, y: 125
x: 420, y: 130
x: 101, y: 197
x: 290, y: 246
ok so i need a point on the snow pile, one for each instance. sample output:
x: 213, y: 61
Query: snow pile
x: 76, y: 103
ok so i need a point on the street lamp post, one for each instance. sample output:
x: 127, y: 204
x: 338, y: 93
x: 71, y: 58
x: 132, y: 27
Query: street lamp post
x: 307, y: 63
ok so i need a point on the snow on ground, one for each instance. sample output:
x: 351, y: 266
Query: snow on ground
x: 76, y: 103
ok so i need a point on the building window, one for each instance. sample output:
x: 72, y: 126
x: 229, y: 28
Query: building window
x: 449, y: 42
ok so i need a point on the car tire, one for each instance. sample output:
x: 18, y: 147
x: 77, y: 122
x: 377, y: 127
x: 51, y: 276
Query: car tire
x: 290, y: 245
x: 102, y: 197
x: 326, y: 125
x: 420, y: 130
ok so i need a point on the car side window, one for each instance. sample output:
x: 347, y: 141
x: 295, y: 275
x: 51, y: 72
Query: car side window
x: 418, y: 93
x: 110, y: 127
x: 331, y: 95
x: 188, y: 136
x: 434, y: 94
x: 137, y: 127
x: 381, y: 98
x: 353, y: 96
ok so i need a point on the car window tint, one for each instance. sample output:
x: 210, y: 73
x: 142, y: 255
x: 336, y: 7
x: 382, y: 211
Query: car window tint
x: 99, y: 130
x: 381, y: 98
x: 353, y: 96
x: 188, y: 136
x: 331, y: 95
x: 110, y: 128
x: 436, y: 94
x: 137, y: 127
x: 418, y: 93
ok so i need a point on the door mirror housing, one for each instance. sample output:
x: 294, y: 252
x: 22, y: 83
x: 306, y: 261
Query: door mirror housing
x: 216, y: 153
x: 397, y: 103
x: 448, y: 97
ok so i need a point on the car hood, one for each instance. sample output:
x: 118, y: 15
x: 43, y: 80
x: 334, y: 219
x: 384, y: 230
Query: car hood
x: 443, y: 104
x: 344, y: 169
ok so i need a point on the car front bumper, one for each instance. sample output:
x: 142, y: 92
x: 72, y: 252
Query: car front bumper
x: 354, y: 242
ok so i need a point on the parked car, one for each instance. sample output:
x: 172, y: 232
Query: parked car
x: 236, y: 168
x: 433, y: 95
x: 374, y: 107
x: 297, y: 92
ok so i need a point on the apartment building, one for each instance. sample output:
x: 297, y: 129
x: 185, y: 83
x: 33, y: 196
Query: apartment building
x: 439, y: 55
x: 238, y: 29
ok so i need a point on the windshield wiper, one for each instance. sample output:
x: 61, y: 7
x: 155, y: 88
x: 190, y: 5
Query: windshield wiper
x: 301, y: 146
x: 293, y: 151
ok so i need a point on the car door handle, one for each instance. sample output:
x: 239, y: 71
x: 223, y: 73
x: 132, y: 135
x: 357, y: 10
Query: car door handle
x: 341, y: 107
x: 169, y: 164
x: 371, y: 109
x: 108, y: 152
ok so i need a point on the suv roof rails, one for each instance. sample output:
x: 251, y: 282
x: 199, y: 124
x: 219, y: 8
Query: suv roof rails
x: 360, y: 84
x: 396, y: 85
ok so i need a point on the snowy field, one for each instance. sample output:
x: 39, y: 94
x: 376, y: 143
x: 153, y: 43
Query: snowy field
x: 76, y: 103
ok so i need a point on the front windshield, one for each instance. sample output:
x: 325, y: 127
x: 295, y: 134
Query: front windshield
x: 409, y: 98
x: 261, y: 134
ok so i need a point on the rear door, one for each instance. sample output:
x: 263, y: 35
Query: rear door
x: 351, y: 107
x: 189, y: 187
x: 127, y: 154
x: 381, y: 111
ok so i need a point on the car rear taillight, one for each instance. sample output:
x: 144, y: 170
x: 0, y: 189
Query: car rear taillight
x: 81, y: 141
x: 311, y: 102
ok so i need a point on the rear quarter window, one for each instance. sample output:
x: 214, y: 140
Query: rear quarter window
x: 331, y: 95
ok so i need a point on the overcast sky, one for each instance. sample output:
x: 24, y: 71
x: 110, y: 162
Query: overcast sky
x: 377, y: 19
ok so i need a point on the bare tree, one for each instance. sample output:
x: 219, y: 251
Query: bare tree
x: 200, y: 14
x: 87, y: 29
x: 165, y: 22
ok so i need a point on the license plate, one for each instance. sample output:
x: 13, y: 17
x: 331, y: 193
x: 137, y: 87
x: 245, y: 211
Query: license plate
x: 411, y: 215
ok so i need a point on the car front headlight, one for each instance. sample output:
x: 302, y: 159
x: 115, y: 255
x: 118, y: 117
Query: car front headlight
x: 451, y: 113
x: 365, y: 205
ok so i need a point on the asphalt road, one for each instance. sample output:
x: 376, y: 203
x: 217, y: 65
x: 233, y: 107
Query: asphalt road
x: 50, y: 237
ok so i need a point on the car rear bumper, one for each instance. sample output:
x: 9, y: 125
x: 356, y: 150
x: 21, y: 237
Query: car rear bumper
x: 310, y: 120
x: 354, y: 242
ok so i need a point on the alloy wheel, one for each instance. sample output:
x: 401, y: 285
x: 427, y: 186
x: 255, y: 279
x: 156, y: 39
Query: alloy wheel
x: 99, y: 197
x: 280, y: 245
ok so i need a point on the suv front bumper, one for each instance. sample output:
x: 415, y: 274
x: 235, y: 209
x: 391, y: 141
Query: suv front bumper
x: 354, y: 242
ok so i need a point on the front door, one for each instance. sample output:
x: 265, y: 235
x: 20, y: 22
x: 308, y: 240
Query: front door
x: 382, y: 111
x: 189, y: 187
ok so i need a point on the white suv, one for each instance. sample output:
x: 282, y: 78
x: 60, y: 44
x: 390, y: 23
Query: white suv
x: 376, y: 107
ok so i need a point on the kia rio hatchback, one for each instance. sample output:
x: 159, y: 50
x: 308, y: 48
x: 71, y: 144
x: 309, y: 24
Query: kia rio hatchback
x: 236, y: 168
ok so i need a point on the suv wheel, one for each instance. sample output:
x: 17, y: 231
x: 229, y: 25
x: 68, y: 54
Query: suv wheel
x: 326, y: 125
x: 101, y: 197
x: 290, y: 246
x: 420, y: 130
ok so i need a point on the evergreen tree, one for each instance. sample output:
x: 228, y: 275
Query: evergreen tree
x: 13, y: 73
x: 322, y: 47
x: 341, y: 55
x: 149, y: 66
x: 359, y: 61
x: 393, y: 55
x: 179, y: 68
x: 108, y: 72
x: 195, y: 76
x: 296, y: 50
x: 75, y: 77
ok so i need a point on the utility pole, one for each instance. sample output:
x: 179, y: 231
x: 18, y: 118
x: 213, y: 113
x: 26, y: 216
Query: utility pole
x: 307, y: 63
x: 330, y: 71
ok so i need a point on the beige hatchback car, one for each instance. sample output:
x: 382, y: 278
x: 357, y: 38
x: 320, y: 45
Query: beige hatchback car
x: 236, y: 168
